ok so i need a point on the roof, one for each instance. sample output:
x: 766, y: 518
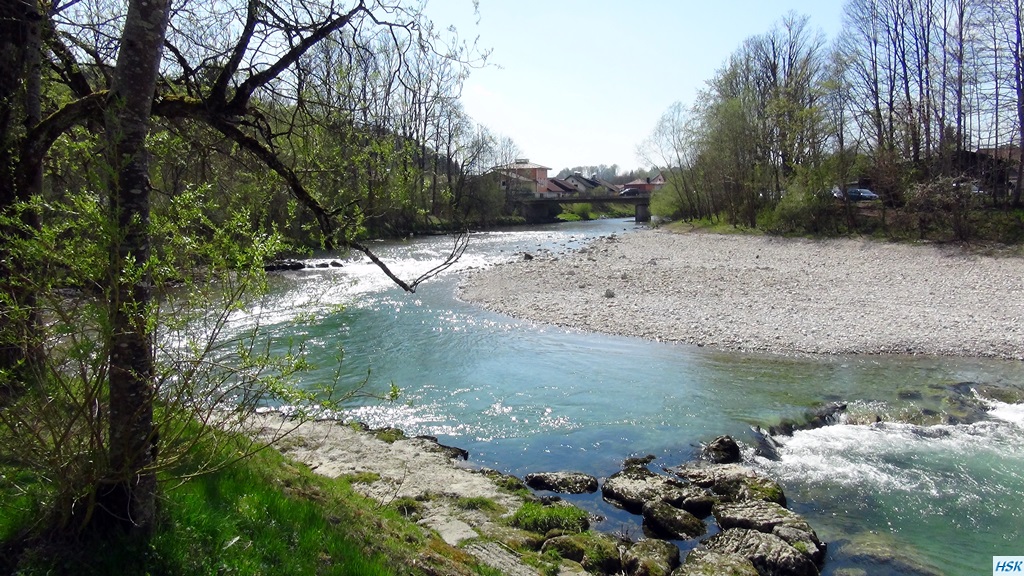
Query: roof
x: 589, y: 183
x: 557, y: 185
x: 521, y: 165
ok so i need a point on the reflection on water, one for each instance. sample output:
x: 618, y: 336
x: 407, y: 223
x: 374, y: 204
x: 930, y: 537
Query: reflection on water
x: 523, y: 397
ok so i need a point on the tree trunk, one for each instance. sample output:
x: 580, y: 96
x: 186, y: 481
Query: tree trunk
x: 20, y: 65
x: 131, y: 499
x: 1018, y: 72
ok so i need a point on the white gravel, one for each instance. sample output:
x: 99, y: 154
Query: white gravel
x: 757, y: 293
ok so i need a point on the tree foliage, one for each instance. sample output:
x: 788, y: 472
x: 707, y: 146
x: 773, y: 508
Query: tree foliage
x: 154, y: 156
x: 911, y: 93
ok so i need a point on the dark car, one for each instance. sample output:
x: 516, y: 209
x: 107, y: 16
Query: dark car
x: 630, y: 192
x: 855, y: 194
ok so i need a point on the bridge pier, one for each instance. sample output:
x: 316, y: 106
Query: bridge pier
x: 537, y: 212
x: 642, y: 213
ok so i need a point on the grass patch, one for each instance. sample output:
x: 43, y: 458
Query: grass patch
x: 717, y: 226
x: 480, y: 503
x: 535, y: 517
x: 361, y: 477
x: 408, y: 507
x: 265, y: 515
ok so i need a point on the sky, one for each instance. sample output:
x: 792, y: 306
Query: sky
x: 583, y: 82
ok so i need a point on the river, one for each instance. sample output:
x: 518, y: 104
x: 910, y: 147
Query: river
x: 525, y: 398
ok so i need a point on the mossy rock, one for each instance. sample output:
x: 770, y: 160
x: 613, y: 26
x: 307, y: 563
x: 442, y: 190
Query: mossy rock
x: 710, y: 563
x: 666, y: 521
x: 597, y: 553
x: 732, y: 482
x: 515, y: 538
x: 506, y: 482
x: 389, y: 435
x: 878, y: 551
x: 651, y: 557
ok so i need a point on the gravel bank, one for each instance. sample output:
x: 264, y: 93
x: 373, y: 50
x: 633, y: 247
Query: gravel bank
x: 757, y: 293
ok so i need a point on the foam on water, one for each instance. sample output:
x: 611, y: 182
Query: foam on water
x: 1012, y: 413
x: 950, y: 491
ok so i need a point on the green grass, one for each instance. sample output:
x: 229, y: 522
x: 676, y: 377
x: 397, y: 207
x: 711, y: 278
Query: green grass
x: 719, y: 226
x: 263, y: 516
x: 480, y: 503
x: 535, y: 517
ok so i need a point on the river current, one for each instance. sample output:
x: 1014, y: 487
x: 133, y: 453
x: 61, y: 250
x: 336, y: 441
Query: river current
x: 523, y: 398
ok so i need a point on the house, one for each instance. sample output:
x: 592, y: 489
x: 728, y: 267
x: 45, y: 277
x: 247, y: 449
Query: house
x: 646, y: 185
x: 523, y: 177
x: 1006, y: 152
x: 558, y: 187
x: 1003, y: 169
x: 592, y: 186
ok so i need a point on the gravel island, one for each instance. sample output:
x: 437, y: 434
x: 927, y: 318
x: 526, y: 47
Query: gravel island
x: 770, y: 294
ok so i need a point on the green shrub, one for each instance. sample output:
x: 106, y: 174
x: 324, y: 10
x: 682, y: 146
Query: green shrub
x: 802, y: 212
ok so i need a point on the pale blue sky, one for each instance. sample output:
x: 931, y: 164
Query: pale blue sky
x: 583, y: 82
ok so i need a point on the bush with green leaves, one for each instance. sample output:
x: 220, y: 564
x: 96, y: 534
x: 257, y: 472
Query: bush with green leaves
x: 212, y: 370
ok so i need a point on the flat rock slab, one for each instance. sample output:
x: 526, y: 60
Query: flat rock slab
x: 500, y: 558
x: 770, y: 518
x: 732, y: 482
x: 702, y: 562
x: 666, y: 521
x: 767, y: 552
x: 651, y: 558
x: 633, y: 487
x: 563, y: 482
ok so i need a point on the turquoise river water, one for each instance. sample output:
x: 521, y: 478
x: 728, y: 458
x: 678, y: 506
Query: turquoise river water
x: 524, y: 398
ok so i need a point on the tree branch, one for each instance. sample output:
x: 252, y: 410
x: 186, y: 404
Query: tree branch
x: 251, y: 84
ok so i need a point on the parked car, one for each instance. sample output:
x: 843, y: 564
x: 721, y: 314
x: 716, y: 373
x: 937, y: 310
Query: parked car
x: 630, y: 192
x: 855, y: 194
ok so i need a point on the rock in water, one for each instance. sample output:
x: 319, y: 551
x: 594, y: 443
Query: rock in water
x: 667, y: 521
x: 722, y: 450
x: 767, y: 552
x: 564, y: 482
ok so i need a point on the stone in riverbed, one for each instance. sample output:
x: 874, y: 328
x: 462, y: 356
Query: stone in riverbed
x: 770, y: 518
x: 666, y: 521
x: 767, y: 552
x: 651, y: 558
x: 703, y: 562
x: 596, y: 552
x: 817, y: 418
x: 633, y: 487
x: 453, y: 452
x: 564, y: 482
x: 721, y: 450
x: 731, y: 482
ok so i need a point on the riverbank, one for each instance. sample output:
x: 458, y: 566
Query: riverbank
x: 768, y: 294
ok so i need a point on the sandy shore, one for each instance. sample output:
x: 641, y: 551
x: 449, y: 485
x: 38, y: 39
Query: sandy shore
x: 757, y: 293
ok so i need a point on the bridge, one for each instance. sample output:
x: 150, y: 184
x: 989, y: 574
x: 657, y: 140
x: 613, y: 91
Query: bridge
x: 543, y: 209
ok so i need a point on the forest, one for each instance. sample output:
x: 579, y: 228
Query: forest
x: 921, y: 102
